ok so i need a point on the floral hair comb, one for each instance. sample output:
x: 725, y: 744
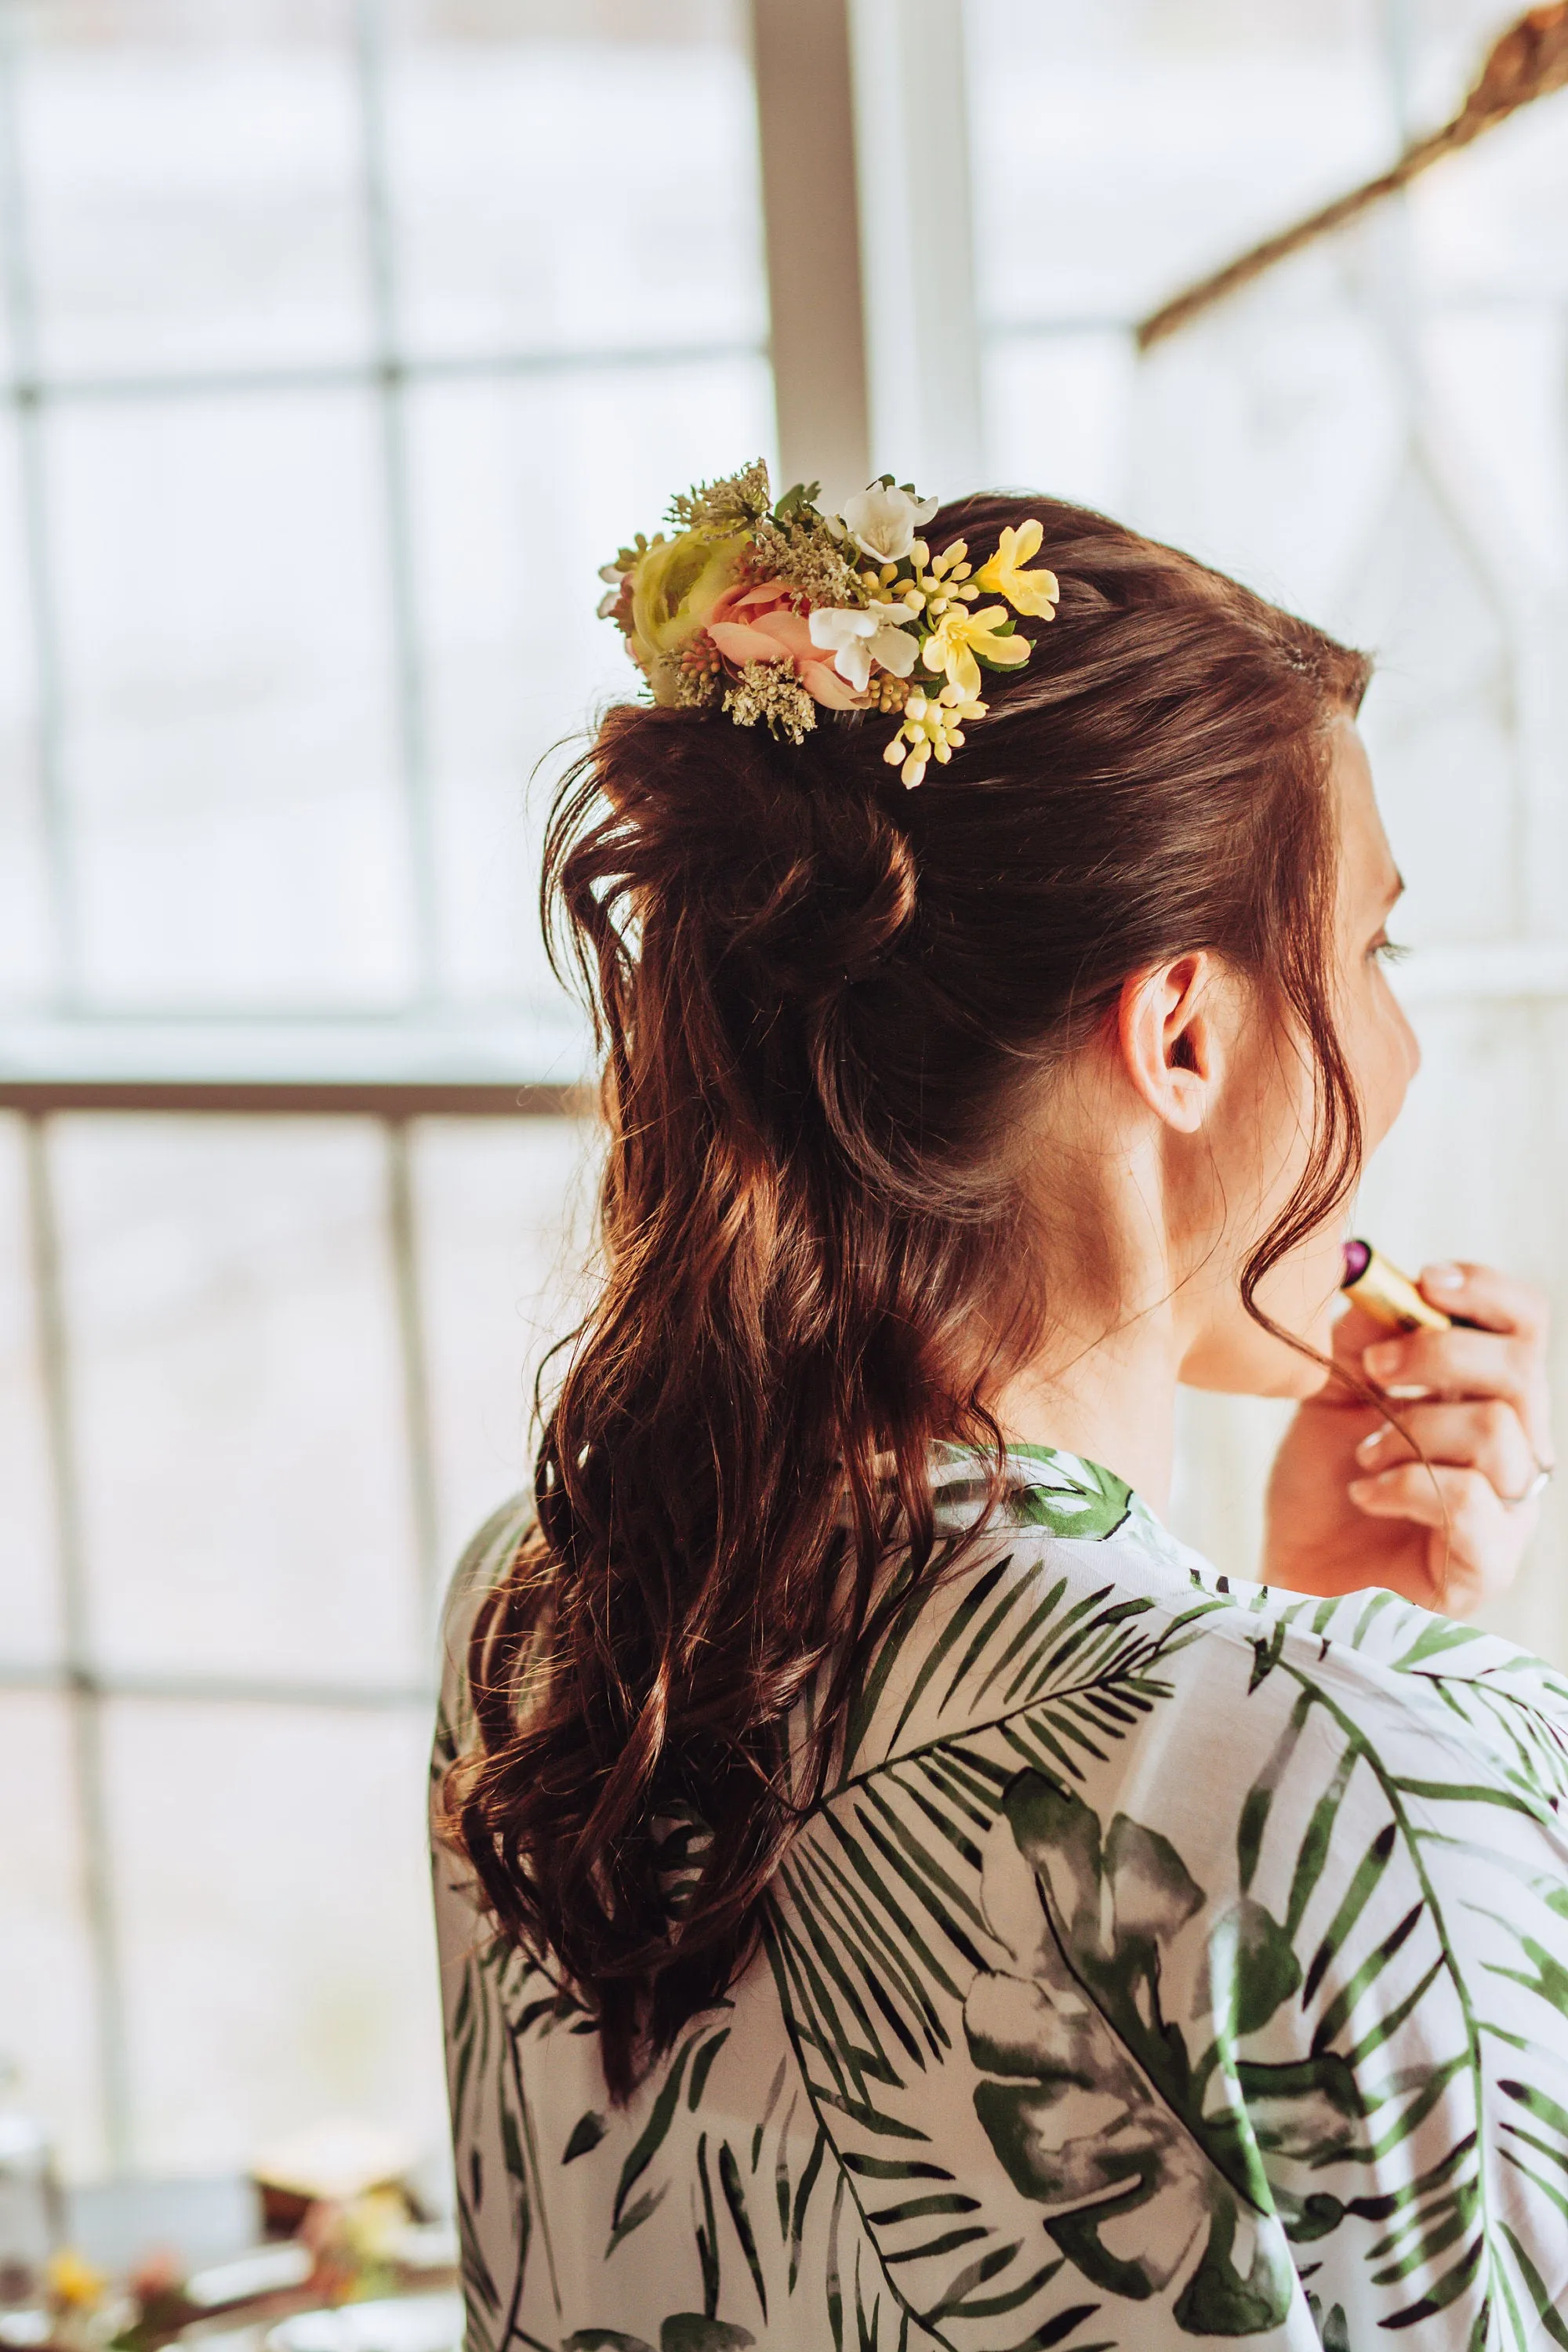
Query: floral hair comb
x: 773, y: 610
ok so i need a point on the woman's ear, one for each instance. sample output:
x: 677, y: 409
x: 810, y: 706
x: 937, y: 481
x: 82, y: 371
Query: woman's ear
x: 1169, y: 1035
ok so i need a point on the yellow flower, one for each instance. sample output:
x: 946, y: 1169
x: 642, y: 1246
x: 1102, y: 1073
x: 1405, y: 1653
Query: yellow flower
x: 676, y: 585
x: 932, y: 726
x: 1034, y: 592
x: 373, y: 2224
x: 960, y: 634
x: 74, y: 2285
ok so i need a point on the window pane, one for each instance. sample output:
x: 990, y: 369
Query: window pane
x: 26, y: 947
x: 238, y: 1395
x: 225, y: 605
x: 275, y: 1920
x: 193, y: 182
x: 1122, y: 150
x: 500, y: 109
x: 49, y: 2025
x: 233, y: 758
x: 30, y: 1629
x: 1283, y: 476
x: 522, y: 488
x: 1262, y: 436
x: 1332, y: 436
x: 505, y: 1209
x: 1441, y: 716
x: 1496, y: 375
x: 1493, y: 221
x: 1058, y: 415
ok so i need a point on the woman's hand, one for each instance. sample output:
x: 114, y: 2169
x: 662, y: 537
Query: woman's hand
x: 1350, y: 1501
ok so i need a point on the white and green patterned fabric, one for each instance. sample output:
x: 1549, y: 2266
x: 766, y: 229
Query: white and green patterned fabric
x: 1170, y: 1961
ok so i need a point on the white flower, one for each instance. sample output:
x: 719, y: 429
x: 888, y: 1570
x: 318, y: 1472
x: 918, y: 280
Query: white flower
x: 882, y: 522
x: 614, y: 573
x: 859, y: 638
x: 892, y: 645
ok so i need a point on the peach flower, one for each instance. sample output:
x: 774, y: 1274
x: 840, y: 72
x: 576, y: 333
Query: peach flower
x: 751, y: 624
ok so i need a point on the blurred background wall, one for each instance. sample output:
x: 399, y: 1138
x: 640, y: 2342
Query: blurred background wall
x: 339, y: 342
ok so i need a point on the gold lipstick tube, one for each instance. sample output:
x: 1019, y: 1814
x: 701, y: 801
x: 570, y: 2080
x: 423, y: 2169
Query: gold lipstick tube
x: 1385, y: 1294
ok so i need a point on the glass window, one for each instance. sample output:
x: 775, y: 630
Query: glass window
x: 272, y: 1890
x: 335, y: 404
x: 241, y: 1440
x: 193, y: 184
x: 230, y: 742
x: 337, y: 354
x: 25, y: 943
x: 519, y: 487
x: 32, y: 1634
x: 47, y: 1988
x: 504, y: 1213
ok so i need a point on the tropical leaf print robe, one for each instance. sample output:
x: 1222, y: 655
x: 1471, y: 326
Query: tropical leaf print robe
x: 1169, y: 1962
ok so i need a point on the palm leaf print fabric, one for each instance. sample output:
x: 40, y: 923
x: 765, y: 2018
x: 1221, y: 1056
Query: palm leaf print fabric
x: 1169, y: 1962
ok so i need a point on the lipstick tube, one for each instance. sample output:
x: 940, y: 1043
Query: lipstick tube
x: 1385, y: 1294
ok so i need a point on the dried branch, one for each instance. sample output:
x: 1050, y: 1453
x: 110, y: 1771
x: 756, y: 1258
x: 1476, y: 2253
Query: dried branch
x: 1530, y: 61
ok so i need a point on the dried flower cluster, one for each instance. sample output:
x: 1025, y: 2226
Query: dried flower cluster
x: 771, y: 611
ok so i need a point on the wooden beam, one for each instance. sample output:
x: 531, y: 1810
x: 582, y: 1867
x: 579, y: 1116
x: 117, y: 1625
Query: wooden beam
x: 806, y: 124
x: 283, y: 1098
x: 917, y: 243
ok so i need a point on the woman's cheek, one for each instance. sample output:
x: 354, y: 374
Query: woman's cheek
x: 1381, y: 1050
x: 1396, y: 1058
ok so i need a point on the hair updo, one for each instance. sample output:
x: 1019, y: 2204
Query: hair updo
x: 823, y: 1001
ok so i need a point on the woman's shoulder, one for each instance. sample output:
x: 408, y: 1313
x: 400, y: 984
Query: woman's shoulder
x: 1075, y: 1599
x: 1402, y: 1673
x: 484, y: 1561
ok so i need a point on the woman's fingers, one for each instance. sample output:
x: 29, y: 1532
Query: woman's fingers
x: 1476, y: 1364
x: 1485, y: 1437
x: 1478, y: 1540
x: 1479, y: 1294
x: 1474, y: 1400
x: 1436, y: 1494
x: 1354, y: 1332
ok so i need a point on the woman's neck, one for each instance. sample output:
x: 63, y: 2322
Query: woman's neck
x: 1103, y: 1384
x: 1113, y: 1402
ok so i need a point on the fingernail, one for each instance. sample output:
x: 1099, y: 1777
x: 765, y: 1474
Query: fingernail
x: 1442, y: 1277
x: 1368, y: 1445
x: 1385, y: 1357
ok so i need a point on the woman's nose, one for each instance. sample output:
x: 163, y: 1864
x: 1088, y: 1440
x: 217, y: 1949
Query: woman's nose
x: 1412, y: 1048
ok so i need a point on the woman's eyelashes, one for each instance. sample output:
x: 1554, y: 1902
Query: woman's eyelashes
x: 1386, y: 950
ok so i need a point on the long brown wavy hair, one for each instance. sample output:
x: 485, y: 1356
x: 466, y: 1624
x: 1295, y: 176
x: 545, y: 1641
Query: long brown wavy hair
x: 825, y: 1004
